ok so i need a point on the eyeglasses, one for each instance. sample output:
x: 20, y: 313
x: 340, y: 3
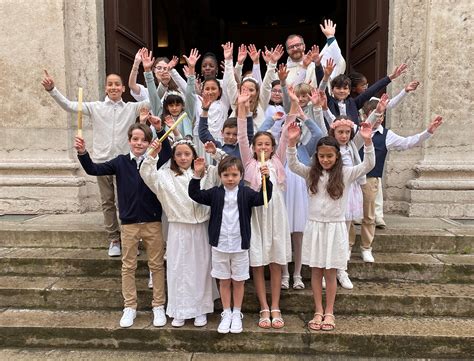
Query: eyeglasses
x: 276, y: 91
x: 294, y: 46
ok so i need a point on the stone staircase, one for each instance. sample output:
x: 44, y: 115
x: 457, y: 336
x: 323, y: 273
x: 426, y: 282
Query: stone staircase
x: 58, y: 289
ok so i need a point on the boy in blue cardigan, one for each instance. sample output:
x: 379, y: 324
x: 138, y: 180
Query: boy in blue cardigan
x: 229, y: 232
x: 140, y: 214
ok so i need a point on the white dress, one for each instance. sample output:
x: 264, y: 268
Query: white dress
x: 325, y: 240
x: 270, y: 241
x: 191, y: 289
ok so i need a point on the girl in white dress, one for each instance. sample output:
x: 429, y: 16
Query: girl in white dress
x: 270, y: 242
x: 191, y: 289
x: 325, y: 241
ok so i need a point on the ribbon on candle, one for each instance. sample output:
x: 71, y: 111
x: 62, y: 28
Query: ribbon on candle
x: 264, y: 181
x: 79, y: 113
x: 168, y: 132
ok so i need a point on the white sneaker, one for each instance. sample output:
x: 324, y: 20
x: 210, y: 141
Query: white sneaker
x: 159, y: 317
x: 226, y: 320
x: 129, y: 314
x: 236, y: 326
x: 366, y: 254
x: 344, y: 279
x: 177, y: 322
x: 324, y: 283
x: 114, y: 248
x: 150, y: 281
x: 200, y: 321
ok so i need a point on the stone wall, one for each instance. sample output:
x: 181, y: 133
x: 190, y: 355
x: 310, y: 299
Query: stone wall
x: 436, y: 39
x: 39, y: 171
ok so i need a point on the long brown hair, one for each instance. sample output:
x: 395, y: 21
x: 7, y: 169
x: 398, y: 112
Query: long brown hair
x: 335, y: 186
x: 173, y: 165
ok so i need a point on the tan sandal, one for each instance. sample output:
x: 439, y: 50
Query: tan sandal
x: 264, y: 322
x: 328, y: 325
x: 277, y: 322
x: 317, y: 321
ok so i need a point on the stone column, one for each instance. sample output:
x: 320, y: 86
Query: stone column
x: 436, y: 39
x: 39, y: 172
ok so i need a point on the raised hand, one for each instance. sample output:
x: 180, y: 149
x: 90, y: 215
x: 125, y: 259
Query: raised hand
x: 411, y: 86
x: 156, y: 122
x: 147, y: 60
x: 206, y: 101
x: 399, y: 70
x: 292, y: 95
x: 307, y: 59
x: 323, y: 100
x: 192, y: 60
x: 294, y: 132
x: 169, y: 121
x: 365, y: 130
x: 282, y: 73
x: 276, y: 53
x: 80, y: 145
x: 316, y: 57
x: 155, y: 148
x: 173, y: 62
x: 144, y: 114
x: 199, y: 166
x: 382, y: 104
x: 48, y: 81
x: 329, y: 68
x: 266, y: 55
x: 242, y: 54
x: 329, y: 28
x: 314, y: 98
x: 228, y: 50
x: 435, y: 124
x: 210, y: 147
x: 254, y: 53
x: 244, y: 95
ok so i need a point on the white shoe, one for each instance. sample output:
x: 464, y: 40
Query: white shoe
x: 344, y: 279
x: 159, y: 317
x: 150, y: 281
x: 366, y: 254
x: 380, y: 223
x: 114, y: 248
x: 226, y: 320
x: 324, y: 283
x: 129, y: 314
x: 236, y: 326
x: 177, y: 322
x: 200, y: 321
x: 285, y: 282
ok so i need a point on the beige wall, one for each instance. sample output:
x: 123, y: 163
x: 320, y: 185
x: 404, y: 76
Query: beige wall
x: 435, y: 38
x: 38, y: 170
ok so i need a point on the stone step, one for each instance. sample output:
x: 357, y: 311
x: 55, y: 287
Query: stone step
x: 76, y: 293
x: 440, y: 268
x: 395, y: 240
x: 375, y: 336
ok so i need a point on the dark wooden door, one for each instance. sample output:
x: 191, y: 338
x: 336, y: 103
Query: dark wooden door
x: 367, y: 37
x: 127, y: 28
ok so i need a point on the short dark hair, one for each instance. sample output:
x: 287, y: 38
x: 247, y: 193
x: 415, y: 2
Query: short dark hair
x: 229, y: 162
x: 230, y: 123
x: 341, y: 81
x: 144, y: 128
x: 121, y: 79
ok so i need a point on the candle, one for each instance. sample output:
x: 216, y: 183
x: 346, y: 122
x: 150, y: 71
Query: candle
x: 79, y: 113
x: 168, y: 132
x: 264, y: 183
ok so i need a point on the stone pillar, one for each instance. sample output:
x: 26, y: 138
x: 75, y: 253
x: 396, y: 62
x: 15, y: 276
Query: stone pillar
x: 39, y: 172
x: 436, y: 39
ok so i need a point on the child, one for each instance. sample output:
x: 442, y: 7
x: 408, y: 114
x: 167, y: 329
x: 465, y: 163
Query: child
x: 188, y: 255
x: 229, y: 232
x: 140, y: 214
x: 111, y: 119
x: 229, y: 131
x: 271, y: 242
x: 384, y: 141
x: 325, y: 237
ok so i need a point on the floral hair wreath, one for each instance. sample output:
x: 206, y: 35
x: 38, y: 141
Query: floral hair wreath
x: 183, y: 141
x: 173, y: 92
x: 342, y: 122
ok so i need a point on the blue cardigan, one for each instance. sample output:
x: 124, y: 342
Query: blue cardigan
x: 214, y: 197
x: 136, y: 202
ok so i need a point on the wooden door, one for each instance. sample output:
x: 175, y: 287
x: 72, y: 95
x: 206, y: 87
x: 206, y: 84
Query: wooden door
x: 127, y: 28
x: 367, y: 37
